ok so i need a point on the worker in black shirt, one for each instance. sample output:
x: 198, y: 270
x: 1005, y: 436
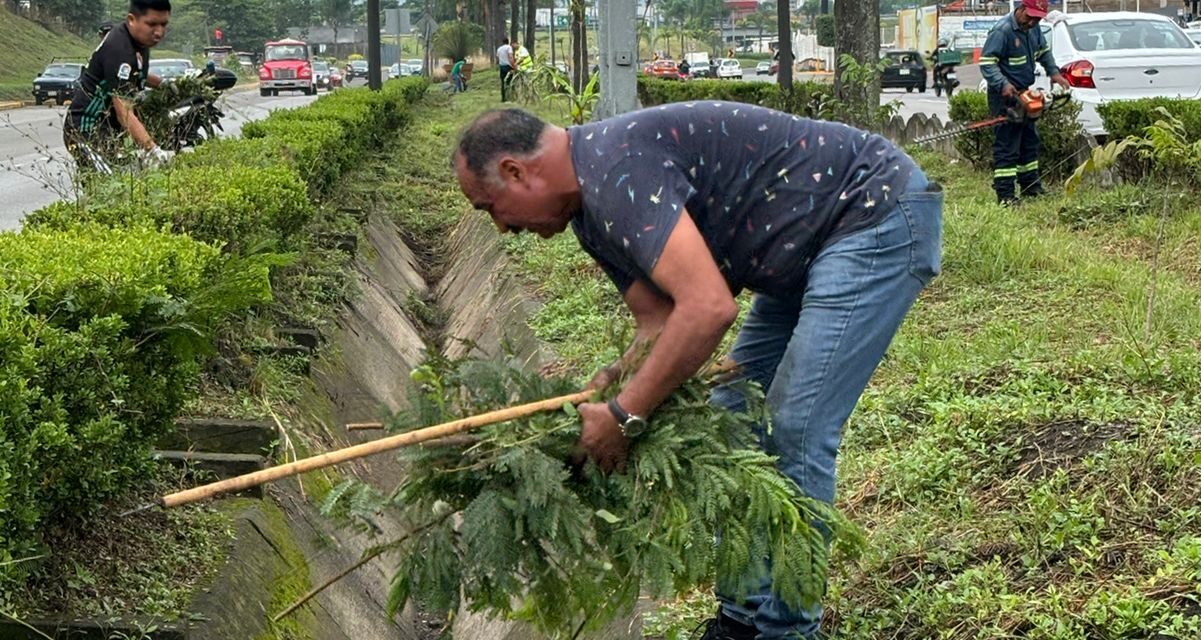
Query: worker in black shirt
x: 101, y: 109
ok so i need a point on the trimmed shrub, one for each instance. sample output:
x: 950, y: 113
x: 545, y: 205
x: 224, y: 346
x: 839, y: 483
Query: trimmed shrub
x: 1059, y: 131
x: 100, y: 334
x: 805, y: 100
x: 1127, y: 118
x: 240, y: 207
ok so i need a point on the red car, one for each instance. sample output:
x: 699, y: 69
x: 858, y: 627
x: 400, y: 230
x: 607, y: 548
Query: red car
x: 665, y: 69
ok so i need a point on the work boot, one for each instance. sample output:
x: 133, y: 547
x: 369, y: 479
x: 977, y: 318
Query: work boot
x: 1007, y: 201
x: 724, y: 628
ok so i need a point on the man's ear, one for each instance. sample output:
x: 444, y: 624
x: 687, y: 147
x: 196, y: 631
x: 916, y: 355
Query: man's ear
x: 510, y: 170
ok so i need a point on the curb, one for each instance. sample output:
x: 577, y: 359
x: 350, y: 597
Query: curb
x: 6, y: 106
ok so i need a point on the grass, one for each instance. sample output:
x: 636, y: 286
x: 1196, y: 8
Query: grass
x: 1027, y: 460
x: 26, y: 47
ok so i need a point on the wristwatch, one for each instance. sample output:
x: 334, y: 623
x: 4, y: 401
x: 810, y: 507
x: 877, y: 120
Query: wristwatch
x: 632, y: 426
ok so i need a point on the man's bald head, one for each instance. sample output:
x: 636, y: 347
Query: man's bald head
x: 498, y: 133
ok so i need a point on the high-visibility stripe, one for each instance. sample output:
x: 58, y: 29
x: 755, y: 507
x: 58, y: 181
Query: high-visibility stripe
x: 985, y: 60
x: 1025, y: 168
x: 1040, y: 52
x: 1011, y: 172
x: 1017, y: 62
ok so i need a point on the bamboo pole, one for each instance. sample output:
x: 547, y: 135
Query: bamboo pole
x: 339, y: 456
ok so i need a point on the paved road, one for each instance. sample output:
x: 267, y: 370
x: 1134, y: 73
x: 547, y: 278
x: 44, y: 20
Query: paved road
x: 34, y: 163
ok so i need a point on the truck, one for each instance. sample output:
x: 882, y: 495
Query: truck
x: 698, y: 64
x: 286, y: 67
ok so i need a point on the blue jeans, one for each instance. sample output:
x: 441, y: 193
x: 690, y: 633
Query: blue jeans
x: 815, y: 354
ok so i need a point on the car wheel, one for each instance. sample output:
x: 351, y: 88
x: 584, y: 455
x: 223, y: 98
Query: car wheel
x: 908, y: 89
x: 264, y: 92
x: 61, y: 101
x: 921, y: 89
x: 38, y: 100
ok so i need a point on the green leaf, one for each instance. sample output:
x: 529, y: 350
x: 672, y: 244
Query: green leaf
x: 607, y: 516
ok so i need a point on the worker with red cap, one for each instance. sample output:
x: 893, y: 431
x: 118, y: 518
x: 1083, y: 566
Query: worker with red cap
x: 1014, y: 45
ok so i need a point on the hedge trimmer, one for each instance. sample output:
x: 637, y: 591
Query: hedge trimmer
x: 1030, y: 105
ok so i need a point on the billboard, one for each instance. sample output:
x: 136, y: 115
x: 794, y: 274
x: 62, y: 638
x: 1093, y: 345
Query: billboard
x: 917, y: 29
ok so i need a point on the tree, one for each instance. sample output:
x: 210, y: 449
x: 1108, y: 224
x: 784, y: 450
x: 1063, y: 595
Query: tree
x: 335, y: 13
x: 246, y: 24
x: 579, y: 46
x: 857, y: 33
x: 291, y: 13
x: 531, y: 11
x: 784, y: 52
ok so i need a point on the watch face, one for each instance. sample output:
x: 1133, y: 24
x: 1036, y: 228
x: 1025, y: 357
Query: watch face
x: 633, y: 427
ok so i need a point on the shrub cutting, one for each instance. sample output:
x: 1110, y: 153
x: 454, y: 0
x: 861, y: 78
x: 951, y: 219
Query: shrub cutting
x: 549, y: 540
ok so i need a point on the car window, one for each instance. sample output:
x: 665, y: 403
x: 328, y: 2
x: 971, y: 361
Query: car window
x: 1109, y: 35
x: 61, y: 71
x: 320, y: 66
x: 359, y: 64
x: 286, y: 52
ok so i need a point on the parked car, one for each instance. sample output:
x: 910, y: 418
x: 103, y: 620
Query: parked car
x: 416, y: 65
x: 1194, y: 35
x: 321, y: 72
x: 1123, y: 56
x: 764, y: 68
x: 904, y: 70
x: 171, y: 68
x: 356, y: 69
x: 728, y: 68
x: 56, y: 82
x: 665, y: 69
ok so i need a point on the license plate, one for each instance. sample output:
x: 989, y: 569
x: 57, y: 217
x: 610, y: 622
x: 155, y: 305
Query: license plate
x: 904, y: 72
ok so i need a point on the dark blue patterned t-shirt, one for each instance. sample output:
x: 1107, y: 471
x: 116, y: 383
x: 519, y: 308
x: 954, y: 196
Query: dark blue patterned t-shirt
x: 766, y: 189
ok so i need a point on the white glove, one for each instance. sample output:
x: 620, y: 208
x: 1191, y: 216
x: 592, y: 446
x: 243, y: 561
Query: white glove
x: 155, y: 156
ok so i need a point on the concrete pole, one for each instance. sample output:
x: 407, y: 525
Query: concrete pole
x: 618, y: 40
x: 373, y: 71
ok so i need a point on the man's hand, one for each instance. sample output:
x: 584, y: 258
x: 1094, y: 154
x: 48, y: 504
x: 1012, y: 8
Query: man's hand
x: 601, y: 438
x: 155, y: 156
x: 1008, y: 91
x: 1061, y: 81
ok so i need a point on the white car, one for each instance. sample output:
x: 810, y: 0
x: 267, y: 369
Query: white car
x: 1194, y: 35
x: 172, y: 68
x: 728, y: 68
x: 1123, y: 56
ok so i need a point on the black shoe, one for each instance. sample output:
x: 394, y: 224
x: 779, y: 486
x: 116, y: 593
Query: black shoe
x: 724, y: 628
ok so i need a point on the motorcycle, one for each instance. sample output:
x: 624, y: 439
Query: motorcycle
x: 945, y: 79
x: 197, y: 118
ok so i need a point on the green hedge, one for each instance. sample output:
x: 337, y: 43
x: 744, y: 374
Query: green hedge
x: 100, y: 334
x: 106, y: 316
x: 1132, y: 117
x: 239, y: 206
x: 806, y: 98
x: 1059, y: 131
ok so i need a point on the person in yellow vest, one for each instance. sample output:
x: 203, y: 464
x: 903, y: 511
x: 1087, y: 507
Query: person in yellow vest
x: 525, y: 61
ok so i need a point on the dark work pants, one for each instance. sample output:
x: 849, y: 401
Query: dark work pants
x: 1015, y: 155
x: 505, y: 72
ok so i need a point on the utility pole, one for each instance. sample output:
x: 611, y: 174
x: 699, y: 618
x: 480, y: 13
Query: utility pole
x: 618, y: 39
x: 373, y: 43
x: 552, y: 33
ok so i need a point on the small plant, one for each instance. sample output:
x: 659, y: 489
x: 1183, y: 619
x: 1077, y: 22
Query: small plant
x: 457, y: 40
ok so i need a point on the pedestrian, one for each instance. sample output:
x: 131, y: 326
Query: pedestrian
x: 456, y: 77
x: 522, y: 59
x: 1007, y: 61
x: 683, y: 206
x: 504, y: 57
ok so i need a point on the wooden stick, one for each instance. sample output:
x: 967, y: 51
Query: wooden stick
x: 721, y: 367
x: 368, y: 448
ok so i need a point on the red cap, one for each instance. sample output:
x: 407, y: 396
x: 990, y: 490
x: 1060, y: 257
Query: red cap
x: 1035, y: 8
